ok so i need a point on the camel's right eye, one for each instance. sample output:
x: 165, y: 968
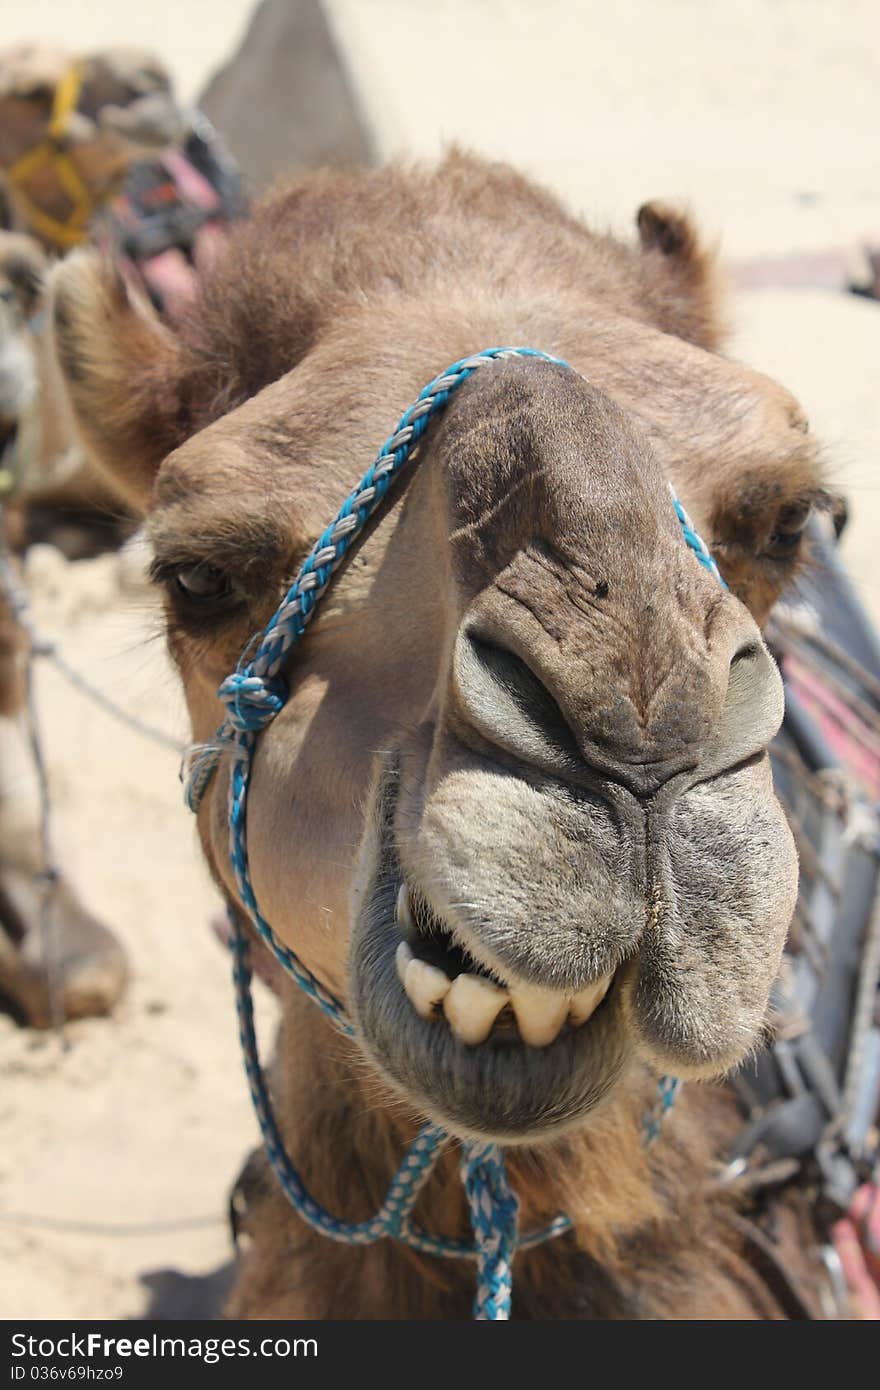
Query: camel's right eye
x: 202, y: 584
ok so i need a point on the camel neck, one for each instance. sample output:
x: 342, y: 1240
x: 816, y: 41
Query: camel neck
x: 347, y: 1134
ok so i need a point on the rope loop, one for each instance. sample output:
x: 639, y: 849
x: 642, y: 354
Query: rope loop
x: 252, y: 701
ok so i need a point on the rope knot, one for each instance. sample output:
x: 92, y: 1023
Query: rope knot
x: 251, y: 701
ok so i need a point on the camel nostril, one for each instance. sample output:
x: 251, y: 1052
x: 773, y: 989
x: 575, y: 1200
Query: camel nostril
x: 748, y: 652
x: 510, y: 707
x: 555, y: 709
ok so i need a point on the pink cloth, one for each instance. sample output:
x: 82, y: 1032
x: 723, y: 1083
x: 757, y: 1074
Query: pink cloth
x: 856, y: 1238
x: 856, y: 745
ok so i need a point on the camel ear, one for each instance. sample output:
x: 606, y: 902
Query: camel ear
x: 688, y: 268
x: 669, y: 230
x: 122, y: 370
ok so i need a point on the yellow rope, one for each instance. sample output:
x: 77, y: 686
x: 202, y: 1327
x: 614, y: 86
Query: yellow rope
x: 67, y: 94
x: 50, y: 153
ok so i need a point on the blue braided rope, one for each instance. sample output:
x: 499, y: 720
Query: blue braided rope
x: 494, y: 1212
x: 254, y: 694
x: 668, y: 1088
x: 242, y: 748
x: 393, y: 1217
x: 697, y: 545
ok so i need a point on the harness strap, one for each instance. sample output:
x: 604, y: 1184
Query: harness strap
x: 50, y: 152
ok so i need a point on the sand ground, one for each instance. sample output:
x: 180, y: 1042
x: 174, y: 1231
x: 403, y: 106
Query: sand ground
x: 120, y: 1140
x: 119, y: 1144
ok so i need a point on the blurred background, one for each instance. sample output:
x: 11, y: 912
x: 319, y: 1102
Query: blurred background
x: 121, y: 1137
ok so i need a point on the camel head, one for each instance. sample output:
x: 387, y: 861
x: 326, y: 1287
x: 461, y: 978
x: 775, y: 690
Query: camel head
x: 517, y: 811
x: 95, y: 115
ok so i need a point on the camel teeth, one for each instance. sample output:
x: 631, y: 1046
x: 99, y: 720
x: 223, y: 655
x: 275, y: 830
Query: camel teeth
x: 403, y: 911
x: 540, y: 1013
x: 402, y: 957
x: 426, y: 986
x: 583, y: 1005
x: 471, y: 1006
x: 471, y: 1003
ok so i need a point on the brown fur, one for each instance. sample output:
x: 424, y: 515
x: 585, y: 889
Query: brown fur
x: 366, y: 285
x: 129, y: 407
x: 322, y: 248
x: 330, y: 240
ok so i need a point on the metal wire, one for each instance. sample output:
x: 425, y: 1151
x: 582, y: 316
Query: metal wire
x: 97, y: 696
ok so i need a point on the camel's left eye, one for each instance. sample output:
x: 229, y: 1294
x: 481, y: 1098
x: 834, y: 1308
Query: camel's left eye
x: 202, y: 584
x: 790, y: 526
x: 781, y: 541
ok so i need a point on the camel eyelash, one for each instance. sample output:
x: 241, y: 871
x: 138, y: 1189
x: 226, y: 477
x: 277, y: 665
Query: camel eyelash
x: 202, y: 595
x: 784, y: 547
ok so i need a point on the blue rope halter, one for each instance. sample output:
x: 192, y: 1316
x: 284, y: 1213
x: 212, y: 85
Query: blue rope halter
x: 253, y: 695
